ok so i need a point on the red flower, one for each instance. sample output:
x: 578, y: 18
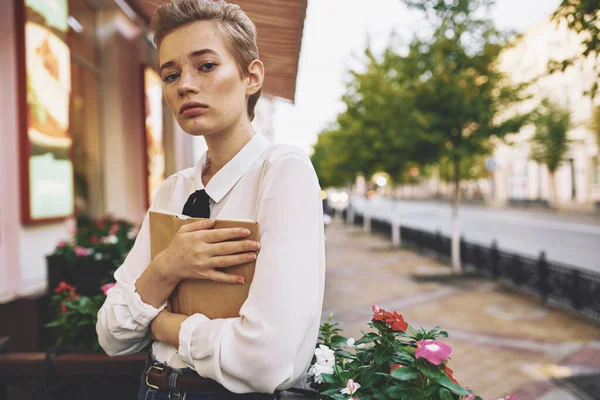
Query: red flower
x: 395, y: 367
x: 64, y: 287
x: 396, y: 321
x: 450, y: 374
x: 73, y: 296
x: 378, y: 313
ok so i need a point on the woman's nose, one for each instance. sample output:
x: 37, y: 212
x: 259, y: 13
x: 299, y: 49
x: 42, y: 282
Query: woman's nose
x: 187, y: 84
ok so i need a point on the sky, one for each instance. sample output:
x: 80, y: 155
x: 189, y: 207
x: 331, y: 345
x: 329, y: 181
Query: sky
x: 335, y: 36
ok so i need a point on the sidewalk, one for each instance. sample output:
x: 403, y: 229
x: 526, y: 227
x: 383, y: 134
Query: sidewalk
x: 502, y: 342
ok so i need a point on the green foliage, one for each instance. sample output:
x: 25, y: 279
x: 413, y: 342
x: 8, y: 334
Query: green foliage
x: 98, y: 241
x: 443, y: 102
x: 595, y: 124
x: 583, y: 17
x: 550, y: 142
x: 384, y: 363
x: 75, y: 316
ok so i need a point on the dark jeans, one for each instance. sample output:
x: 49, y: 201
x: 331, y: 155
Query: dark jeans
x: 147, y: 393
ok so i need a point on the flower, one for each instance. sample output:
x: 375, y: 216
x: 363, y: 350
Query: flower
x: 395, y: 367
x: 61, y: 244
x: 319, y: 369
x: 63, y: 305
x: 350, y: 342
x: 396, y: 321
x: 64, y: 287
x: 433, y: 351
x: 112, y: 239
x: 131, y: 234
x: 325, y: 355
x: 351, y: 387
x: 82, y: 251
x: 114, y: 228
x: 450, y: 374
x: 106, y: 287
x: 98, y: 256
x: 378, y: 313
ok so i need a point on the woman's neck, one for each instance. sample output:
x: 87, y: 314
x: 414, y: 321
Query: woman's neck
x: 223, y: 146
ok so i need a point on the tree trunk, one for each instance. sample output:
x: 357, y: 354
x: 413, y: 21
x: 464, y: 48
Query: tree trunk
x: 553, y: 194
x: 456, y: 265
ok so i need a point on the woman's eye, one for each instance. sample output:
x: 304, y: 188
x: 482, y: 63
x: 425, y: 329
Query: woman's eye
x: 207, y: 67
x: 170, y: 77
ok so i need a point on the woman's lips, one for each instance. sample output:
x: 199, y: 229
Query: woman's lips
x: 194, y: 111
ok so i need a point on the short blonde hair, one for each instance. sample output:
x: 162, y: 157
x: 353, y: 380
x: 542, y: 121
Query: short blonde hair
x: 234, y: 24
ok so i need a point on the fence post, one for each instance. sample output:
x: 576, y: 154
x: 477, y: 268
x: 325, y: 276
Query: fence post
x: 543, y: 273
x: 396, y: 239
x: 576, y: 292
x: 516, y: 269
x: 463, y: 250
x: 494, y: 260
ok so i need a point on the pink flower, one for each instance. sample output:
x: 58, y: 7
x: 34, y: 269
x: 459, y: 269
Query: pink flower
x: 113, y: 229
x: 81, y: 251
x: 61, y: 243
x: 351, y: 387
x: 433, y: 351
x: 106, y: 287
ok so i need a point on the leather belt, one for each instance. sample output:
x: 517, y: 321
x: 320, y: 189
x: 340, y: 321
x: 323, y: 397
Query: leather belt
x: 158, y: 378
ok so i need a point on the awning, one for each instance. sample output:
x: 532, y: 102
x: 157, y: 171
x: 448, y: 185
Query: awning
x: 280, y: 24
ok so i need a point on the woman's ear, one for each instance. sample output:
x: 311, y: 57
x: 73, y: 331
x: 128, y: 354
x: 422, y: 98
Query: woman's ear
x: 256, y: 76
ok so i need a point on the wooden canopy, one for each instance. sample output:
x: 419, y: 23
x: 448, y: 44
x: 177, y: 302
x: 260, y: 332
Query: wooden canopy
x: 280, y: 24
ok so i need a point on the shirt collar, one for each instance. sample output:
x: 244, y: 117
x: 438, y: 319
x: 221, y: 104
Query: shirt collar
x: 226, y: 178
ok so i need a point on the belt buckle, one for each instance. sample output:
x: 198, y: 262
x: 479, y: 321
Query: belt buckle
x: 148, y: 372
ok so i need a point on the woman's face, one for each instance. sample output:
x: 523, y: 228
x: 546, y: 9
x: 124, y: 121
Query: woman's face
x: 202, y: 83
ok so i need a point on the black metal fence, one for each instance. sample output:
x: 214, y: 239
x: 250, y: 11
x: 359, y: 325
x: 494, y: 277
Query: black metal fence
x: 556, y: 283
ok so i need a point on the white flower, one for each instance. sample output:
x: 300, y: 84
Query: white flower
x: 112, y: 239
x: 131, y: 234
x: 350, y: 342
x: 98, y: 256
x: 319, y: 369
x: 325, y: 355
x: 351, y: 387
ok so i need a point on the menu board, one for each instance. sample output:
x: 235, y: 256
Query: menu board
x: 47, y: 146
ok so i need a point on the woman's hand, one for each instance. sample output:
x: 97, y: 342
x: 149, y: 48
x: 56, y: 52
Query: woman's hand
x: 196, y: 250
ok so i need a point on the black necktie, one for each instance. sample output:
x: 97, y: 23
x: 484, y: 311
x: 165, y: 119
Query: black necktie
x: 197, y: 205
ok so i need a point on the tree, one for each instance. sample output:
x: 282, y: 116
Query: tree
x: 457, y: 86
x: 583, y: 17
x: 550, y: 142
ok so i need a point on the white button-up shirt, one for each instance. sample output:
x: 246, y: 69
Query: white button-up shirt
x: 270, y: 345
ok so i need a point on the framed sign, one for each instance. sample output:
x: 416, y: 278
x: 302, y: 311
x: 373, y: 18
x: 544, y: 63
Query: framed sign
x: 153, y: 131
x: 45, y: 87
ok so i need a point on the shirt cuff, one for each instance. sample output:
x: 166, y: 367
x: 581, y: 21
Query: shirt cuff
x: 141, y: 312
x: 185, y: 337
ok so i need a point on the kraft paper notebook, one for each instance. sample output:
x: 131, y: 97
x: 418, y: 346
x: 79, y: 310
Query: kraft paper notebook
x: 213, y: 299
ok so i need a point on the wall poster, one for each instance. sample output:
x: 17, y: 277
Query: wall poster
x: 153, y: 125
x: 47, y: 169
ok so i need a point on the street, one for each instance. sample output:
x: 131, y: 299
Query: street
x: 566, y: 238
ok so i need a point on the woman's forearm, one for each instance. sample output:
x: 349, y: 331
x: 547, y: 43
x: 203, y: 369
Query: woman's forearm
x: 166, y: 326
x: 154, y: 286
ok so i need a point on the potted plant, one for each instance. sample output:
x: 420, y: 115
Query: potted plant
x: 394, y: 362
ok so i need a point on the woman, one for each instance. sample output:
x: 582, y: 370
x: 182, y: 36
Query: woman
x: 212, y: 77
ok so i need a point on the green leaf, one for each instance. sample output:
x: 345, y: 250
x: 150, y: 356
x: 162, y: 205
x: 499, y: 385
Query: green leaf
x: 332, y: 379
x: 454, y: 388
x: 329, y: 392
x: 445, y: 394
x: 431, y: 371
x: 405, y: 374
x: 368, y: 338
x: 381, y: 355
x: 403, y: 392
x: 345, y: 354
